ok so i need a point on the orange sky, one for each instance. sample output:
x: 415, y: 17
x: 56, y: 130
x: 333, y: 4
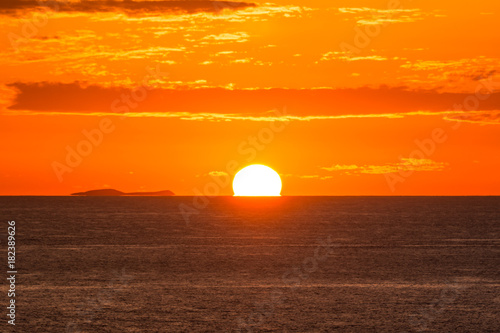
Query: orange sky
x: 340, y: 98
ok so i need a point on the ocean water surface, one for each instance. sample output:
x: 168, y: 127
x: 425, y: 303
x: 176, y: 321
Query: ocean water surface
x: 287, y: 264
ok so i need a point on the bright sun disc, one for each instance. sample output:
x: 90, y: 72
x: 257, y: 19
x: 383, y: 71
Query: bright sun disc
x: 257, y: 180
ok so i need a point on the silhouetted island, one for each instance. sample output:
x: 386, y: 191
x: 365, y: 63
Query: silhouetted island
x: 114, y: 193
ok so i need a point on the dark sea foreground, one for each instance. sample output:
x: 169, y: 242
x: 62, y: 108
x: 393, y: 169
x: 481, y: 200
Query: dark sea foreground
x: 289, y: 264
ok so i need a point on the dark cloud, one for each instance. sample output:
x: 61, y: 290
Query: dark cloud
x: 127, y: 6
x: 73, y: 97
x: 484, y: 74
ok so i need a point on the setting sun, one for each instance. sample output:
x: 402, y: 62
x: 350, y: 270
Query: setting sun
x: 257, y: 180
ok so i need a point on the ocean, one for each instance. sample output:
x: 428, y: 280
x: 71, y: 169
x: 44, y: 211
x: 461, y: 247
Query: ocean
x: 227, y: 264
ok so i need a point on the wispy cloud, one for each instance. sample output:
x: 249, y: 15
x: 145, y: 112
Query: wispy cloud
x: 376, y: 11
x: 336, y: 55
x: 320, y: 177
x: 480, y: 117
x: 238, y: 37
x: 252, y: 12
x: 475, y: 69
x: 128, y: 7
x: 375, y: 16
x: 218, y: 173
x: 406, y: 164
x: 451, y: 75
